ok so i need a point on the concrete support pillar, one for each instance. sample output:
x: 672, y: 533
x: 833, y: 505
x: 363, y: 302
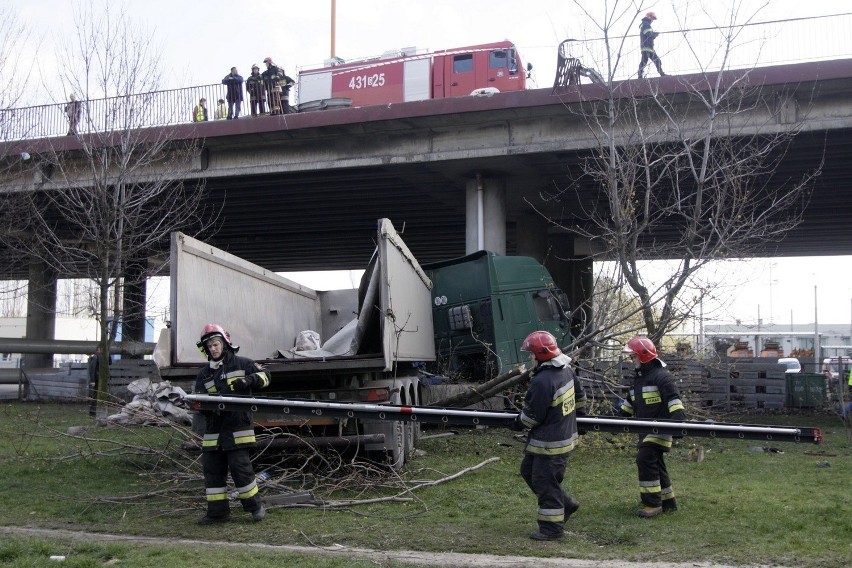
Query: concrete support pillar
x: 41, y: 311
x: 135, y: 289
x: 531, y: 237
x: 570, y: 263
x: 485, y: 215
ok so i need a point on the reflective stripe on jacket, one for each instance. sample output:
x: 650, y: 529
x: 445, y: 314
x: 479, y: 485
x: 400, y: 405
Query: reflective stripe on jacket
x: 646, y: 35
x: 654, y: 396
x: 550, y: 408
x: 228, y: 430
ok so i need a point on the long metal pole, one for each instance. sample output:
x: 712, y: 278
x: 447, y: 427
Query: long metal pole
x: 432, y: 415
x: 817, y: 350
x: 333, y: 27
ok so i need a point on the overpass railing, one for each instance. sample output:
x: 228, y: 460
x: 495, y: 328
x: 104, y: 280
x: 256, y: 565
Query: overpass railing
x: 758, y: 44
x: 158, y: 108
x: 684, y: 51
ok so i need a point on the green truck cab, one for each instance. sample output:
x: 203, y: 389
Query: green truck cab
x: 485, y: 304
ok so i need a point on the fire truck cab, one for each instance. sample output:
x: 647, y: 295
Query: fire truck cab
x: 407, y: 75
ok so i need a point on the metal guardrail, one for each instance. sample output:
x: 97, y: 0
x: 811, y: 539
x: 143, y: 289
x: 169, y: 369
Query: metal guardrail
x: 683, y: 51
x: 759, y: 44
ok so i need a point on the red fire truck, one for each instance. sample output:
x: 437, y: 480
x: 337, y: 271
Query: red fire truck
x: 407, y: 75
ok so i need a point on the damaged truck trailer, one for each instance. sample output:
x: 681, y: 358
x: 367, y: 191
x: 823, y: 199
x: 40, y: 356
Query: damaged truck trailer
x: 408, y: 335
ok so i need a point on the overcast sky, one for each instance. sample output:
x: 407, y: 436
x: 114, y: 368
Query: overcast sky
x: 201, y: 40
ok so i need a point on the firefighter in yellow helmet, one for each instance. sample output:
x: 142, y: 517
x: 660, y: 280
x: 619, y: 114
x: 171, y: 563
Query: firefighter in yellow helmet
x: 228, y: 435
x: 552, y: 402
x: 652, y: 396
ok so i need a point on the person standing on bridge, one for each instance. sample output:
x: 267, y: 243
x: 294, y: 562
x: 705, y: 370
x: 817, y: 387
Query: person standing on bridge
x: 234, y: 81
x: 553, y: 400
x: 221, y: 112
x: 286, y: 84
x: 652, y: 396
x: 73, y: 110
x: 272, y: 78
x: 228, y: 435
x: 256, y: 91
x: 646, y: 42
x: 199, y: 112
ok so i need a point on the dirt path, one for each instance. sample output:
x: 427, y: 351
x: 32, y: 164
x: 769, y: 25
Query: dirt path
x: 380, y: 557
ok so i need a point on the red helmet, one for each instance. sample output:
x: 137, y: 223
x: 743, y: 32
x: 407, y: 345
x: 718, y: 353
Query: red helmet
x: 212, y: 330
x: 542, y: 345
x: 643, y: 347
x: 651, y: 16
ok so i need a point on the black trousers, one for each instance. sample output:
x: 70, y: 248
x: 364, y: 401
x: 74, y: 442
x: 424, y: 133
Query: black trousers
x: 655, y: 487
x: 652, y: 55
x: 255, y: 102
x: 544, y: 475
x: 216, y: 465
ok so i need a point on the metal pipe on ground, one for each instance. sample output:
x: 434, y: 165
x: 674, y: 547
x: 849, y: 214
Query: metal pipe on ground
x: 23, y: 345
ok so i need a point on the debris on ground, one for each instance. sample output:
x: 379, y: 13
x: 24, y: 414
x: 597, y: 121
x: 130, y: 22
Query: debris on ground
x: 152, y: 402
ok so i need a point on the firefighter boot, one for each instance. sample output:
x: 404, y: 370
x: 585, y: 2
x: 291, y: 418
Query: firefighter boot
x: 570, y: 508
x: 258, y: 514
x: 538, y: 535
x: 208, y: 520
x: 648, y: 512
x: 669, y: 505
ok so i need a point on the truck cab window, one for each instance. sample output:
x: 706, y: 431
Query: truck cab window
x: 503, y: 59
x: 550, y: 305
x: 463, y: 63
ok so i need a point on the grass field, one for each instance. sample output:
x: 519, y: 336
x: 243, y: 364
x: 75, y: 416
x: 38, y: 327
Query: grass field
x: 740, y: 505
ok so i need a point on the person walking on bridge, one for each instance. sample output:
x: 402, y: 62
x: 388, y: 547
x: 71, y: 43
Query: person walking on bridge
x: 228, y: 434
x: 646, y: 42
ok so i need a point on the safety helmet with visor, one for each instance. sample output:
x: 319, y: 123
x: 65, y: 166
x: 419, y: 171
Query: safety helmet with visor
x: 643, y: 348
x: 211, y: 331
x: 542, y: 345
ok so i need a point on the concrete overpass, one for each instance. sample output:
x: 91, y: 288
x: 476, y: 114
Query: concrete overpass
x: 303, y: 191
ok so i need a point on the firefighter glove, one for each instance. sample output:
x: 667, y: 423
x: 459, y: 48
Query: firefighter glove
x: 517, y: 425
x: 240, y: 384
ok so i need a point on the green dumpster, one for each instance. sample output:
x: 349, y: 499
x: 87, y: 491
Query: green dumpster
x: 805, y: 390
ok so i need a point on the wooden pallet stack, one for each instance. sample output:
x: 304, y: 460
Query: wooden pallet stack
x: 748, y: 382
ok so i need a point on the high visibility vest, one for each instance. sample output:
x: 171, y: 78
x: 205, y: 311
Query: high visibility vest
x: 199, y: 113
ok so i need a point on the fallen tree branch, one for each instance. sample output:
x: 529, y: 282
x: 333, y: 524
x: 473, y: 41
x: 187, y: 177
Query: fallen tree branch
x: 478, y: 393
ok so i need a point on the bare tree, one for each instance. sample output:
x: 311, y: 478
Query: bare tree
x: 687, y: 172
x: 16, y: 70
x: 108, y: 204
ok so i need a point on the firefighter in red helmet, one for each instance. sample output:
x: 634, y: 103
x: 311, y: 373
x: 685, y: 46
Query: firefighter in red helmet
x: 552, y: 403
x: 228, y: 435
x: 652, y: 396
x: 646, y: 43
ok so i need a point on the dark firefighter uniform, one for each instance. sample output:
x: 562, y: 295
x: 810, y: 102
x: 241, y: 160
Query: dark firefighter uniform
x: 550, y: 411
x: 229, y: 435
x: 646, y: 43
x: 654, y: 396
